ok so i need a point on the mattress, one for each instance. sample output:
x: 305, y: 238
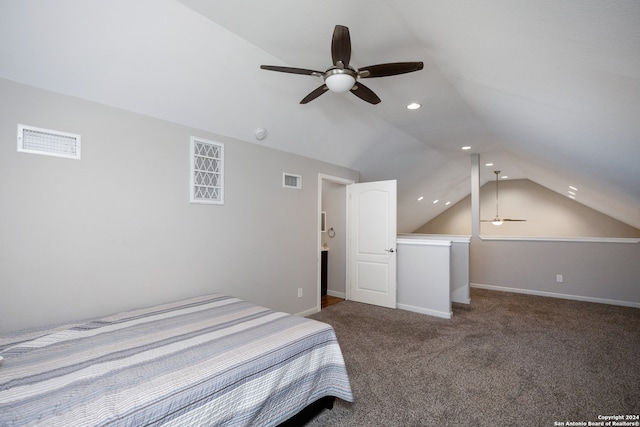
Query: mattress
x: 210, y: 360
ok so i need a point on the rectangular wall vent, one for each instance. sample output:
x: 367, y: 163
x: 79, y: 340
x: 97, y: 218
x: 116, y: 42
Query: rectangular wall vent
x: 291, y: 181
x: 48, y: 142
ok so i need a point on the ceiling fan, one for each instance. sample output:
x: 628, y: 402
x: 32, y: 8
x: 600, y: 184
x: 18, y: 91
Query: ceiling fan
x: 342, y: 77
x: 497, y: 220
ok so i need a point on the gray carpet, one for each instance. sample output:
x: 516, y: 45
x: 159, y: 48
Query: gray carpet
x: 505, y: 360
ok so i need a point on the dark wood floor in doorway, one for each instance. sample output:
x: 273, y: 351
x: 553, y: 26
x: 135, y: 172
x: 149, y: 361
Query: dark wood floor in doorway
x: 328, y: 300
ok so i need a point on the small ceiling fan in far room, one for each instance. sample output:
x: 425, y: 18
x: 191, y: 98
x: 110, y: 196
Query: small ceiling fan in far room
x: 342, y: 77
x: 497, y: 220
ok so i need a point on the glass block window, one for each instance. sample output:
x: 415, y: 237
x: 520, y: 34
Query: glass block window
x: 207, y: 171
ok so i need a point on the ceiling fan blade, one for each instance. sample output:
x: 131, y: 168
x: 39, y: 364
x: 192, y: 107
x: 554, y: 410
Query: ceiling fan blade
x: 341, y: 46
x: 390, y: 69
x: 313, y: 95
x: 292, y: 70
x: 364, y: 93
x: 507, y: 219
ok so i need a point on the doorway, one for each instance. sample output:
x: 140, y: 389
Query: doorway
x: 332, y: 237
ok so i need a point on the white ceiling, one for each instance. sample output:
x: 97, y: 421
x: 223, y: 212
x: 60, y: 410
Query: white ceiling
x: 546, y: 90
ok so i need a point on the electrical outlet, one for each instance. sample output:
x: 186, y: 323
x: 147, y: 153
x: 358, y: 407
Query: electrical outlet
x: 559, y: 278
x: 299, y: 292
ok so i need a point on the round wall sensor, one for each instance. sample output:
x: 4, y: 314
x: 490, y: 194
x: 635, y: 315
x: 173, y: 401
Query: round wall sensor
x: 261, y: 134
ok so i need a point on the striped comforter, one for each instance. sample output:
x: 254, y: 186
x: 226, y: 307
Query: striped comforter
x: 212, y: 360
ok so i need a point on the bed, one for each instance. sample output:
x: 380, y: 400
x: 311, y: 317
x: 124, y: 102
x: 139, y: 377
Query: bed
x: 210, y: 360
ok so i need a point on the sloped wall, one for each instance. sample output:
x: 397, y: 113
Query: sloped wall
x: 548, y: 214
x: 516, y: 257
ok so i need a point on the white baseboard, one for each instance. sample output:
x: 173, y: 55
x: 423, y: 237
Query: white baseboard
x: 315, y: 310
x: 308, y: 312
x: 421, y: 310
x: 557, y: 295
x: 336, y: 294
x: 461, y: 295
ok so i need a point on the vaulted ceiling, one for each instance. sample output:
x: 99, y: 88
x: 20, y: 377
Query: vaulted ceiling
x: 544, y: 90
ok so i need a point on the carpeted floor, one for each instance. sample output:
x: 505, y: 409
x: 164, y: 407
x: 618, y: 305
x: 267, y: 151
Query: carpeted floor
x: 505, y: 360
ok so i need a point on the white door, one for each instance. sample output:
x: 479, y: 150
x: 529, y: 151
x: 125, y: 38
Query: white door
x: 372, y: 243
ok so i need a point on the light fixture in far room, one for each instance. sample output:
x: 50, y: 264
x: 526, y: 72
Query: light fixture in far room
x: 466, y: 147
x: 414, y: 106
x: 497, y: 220
x: 340, y: 79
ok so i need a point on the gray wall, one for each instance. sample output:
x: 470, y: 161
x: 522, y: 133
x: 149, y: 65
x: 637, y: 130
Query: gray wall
x: 593, y: 271
x: 115, y: 231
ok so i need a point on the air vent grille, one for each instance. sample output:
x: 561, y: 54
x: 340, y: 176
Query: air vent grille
x: 291, y: 181
x: 48, y: 142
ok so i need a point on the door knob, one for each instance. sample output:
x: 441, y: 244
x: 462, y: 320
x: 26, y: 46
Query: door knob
x: 390, y: 250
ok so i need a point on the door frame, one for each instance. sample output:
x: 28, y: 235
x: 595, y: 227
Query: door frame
x: 337, y: 180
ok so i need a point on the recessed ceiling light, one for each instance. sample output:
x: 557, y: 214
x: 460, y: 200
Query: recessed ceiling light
x: 447, y: 204
x: 466, y: 147
x: 573, y: 188
x: 572, y: 193
x: 414, y: 106
x: 572, y: 197
x: 420, y: 198
x: 488, y: 164
x: 504, y: 177
x: 435, y: 201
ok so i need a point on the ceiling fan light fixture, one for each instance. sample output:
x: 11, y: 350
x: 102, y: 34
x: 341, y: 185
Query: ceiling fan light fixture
x: 341, y: 77
x: 340, y: 80
x: 497, y: 220
x: 414, y: 106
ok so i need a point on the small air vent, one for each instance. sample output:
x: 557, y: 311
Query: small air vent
x: 48, y: 142
x: 291, y: 181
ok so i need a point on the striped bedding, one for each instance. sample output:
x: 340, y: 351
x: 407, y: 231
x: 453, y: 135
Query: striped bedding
x: 211, y: 360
